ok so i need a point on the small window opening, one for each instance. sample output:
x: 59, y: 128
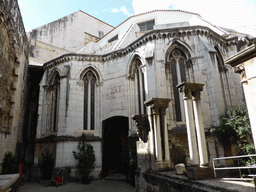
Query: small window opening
x: 113, y: 39
x: 146, y: 26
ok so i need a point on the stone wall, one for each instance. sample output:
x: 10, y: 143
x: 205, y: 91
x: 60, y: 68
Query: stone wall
x: 70, y: 32
x: 41, y: 52
x: 117, y: 94
x: 13, y: 75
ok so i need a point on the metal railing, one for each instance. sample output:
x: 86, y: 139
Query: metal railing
x: 235, y: 168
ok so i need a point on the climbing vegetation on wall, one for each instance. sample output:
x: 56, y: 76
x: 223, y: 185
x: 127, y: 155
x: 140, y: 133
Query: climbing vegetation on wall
x: 235, y: 129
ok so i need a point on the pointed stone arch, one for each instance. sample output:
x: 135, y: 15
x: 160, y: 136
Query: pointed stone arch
x: 52, y: 76
x: 177, y: 44
x: 138, y: 81
x: 133, y: 63
x: 93, y: 70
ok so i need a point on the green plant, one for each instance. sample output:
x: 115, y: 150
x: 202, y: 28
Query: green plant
x: 85, y: 157
x: 10, y: 163
x: 46, y: 165
x: 235, y: 129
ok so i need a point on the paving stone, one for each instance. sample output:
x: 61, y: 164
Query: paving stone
x: 95, y: 186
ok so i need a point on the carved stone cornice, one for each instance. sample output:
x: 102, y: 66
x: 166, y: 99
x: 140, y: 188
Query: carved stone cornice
x: 179, y: 32
x: 72, y: 57
x: 242, y: 56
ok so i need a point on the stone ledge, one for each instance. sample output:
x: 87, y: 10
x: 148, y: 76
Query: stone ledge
x: 54, y: 138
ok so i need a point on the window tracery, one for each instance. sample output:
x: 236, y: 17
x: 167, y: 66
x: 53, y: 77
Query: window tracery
x: 89, y: 100
x: 177, y: 60
x: 53, y: 93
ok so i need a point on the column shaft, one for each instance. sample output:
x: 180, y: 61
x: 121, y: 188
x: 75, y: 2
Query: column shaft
x: 167, y: 152
x: 159, y: 156
x: 203, y: 155
x: 193, y: 151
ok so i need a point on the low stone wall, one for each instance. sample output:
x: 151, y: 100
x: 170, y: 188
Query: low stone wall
x: 150, y: 181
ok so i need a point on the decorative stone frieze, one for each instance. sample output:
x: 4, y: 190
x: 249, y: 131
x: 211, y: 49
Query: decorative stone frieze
x: 150, y: 36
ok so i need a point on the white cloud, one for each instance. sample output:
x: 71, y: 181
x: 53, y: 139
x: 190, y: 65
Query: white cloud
x: 235, y: 14
x: 125, y: 11
x: 122, y: 9
x: 114, y: 10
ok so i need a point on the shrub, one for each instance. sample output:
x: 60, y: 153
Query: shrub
x: 85, y: 157
x: 235, y: 129
x: 46, y: 165
x: 10, y: 163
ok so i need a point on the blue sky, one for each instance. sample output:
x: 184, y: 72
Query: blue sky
x: 235, y: 14
x: 39, y: 12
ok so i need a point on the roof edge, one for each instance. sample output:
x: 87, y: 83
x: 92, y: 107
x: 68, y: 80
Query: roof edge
x: 95, y: 18
x: 168, y: 10
x: 242, y: 56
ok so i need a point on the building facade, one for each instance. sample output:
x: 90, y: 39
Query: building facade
x: 160, y: 75
x: 244, y: 63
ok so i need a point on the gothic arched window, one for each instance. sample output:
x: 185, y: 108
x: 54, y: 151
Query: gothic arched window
x: 55, y: 91
x: 89, y: 100
x: 223, y: 79
x: 140, y: 79
x: 177, y: 67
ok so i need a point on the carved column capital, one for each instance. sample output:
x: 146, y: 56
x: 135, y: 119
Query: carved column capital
x: 156, y: 103
x: 196, y: 95
x: 155, y: 110
x: 190, y: 90
x: 142, y: 124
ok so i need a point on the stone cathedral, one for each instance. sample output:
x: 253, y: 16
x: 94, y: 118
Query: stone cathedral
x: 157, y: 80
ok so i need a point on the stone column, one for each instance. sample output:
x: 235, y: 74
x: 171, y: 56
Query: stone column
x: 196, y: 142
x: 190, y: 123
x: 203, y: 154
x: 158, y: 124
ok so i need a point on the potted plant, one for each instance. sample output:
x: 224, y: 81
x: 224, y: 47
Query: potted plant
x: 46, y: 165
x: 86, y: 159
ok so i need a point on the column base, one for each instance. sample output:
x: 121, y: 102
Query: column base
x: 163, y: 166
x: 200, y: 172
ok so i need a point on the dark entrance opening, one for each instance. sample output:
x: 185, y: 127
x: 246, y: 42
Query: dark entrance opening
x: 115, y: 145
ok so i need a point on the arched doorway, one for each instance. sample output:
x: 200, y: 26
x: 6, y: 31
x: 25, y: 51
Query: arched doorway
x: 114, y: 145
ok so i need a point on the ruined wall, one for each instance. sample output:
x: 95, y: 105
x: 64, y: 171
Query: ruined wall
x: 13, y: 74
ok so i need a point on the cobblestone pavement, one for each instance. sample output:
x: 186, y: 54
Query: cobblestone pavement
x: 95, y: 186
